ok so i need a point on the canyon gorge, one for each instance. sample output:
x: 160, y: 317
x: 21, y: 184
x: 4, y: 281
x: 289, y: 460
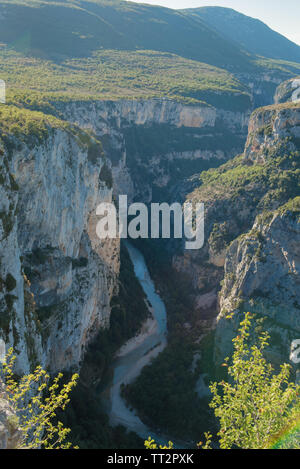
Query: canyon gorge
x: 230, y: 139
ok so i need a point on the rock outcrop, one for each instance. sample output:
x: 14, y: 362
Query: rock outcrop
x: 262, y: 275
x: 288, y: 91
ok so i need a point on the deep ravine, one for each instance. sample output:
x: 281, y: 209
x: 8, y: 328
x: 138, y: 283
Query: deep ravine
x: 138, y: 352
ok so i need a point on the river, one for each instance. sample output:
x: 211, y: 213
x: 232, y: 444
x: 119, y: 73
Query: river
x: 138, y: 352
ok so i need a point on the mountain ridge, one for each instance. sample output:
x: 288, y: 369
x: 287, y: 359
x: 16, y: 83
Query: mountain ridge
x: 214, y: 35
x: 63, y: 29
x: 253, y: 34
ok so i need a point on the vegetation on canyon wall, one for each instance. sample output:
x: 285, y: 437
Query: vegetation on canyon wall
x: 27, y: 125
x: 277, y: 180
x: 21, y: 125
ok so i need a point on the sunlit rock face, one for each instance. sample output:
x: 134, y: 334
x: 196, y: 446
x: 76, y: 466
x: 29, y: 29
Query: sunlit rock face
x: 153, y: 144
x: 288, y: 91
x: 262, y: 266
x: 271, y: 126
x: 13, y: 321
x: 65, y: 276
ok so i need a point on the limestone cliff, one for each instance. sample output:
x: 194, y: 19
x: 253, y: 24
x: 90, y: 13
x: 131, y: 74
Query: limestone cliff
x: 13, y: 321
x: 264, y: 86
x: 288, y: 91
x: 57, y: 277
x: 154, y: 143
x: 252, y: 229
x: 262, y: 275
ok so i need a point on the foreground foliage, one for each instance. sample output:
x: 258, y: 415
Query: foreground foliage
x: 150, y: 444
x: 35, y: 402
x: 255, y: 406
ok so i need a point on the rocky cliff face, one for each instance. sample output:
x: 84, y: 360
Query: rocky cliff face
x: 250, y: 260
x: 262, y: 275
x: 263, y: 86
x: 288, y: 91
x: 12, y: 318
x: 271, y: 129
x: 152, y: 144
x: 262, y: 265
x: 57, y: 276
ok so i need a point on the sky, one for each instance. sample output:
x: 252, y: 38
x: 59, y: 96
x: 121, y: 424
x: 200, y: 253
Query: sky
x: 281, y: 15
